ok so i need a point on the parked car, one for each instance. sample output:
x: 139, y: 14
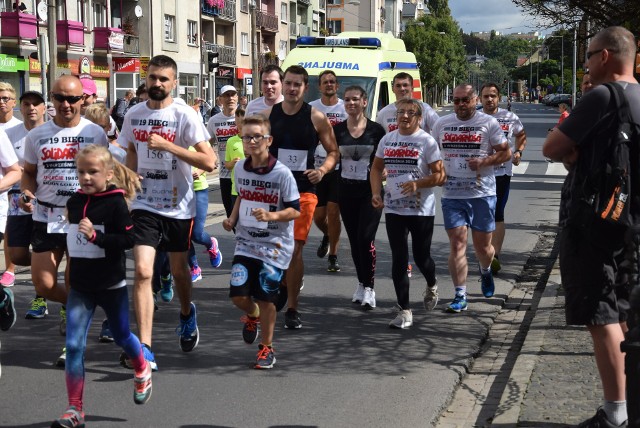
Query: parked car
x: 559, y: 99
x: 547, y: 98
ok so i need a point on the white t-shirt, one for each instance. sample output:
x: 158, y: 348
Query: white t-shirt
x: 53, y: 150
x: 222, y: 128
x: 7, y: 158
x: 389, y: 121
x: 407, y: 158
x: 166, y: 180
x: 17, y: 136
x: 336, y: 114
x: 271, y: 242
x: 460, y: 140
x: 11, y: 123
x: 511, y: 126
x: 258, y: 105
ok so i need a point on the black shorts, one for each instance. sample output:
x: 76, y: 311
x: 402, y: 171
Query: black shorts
x: 588, y: 274
x: 327, y: 189
x: 503, y: 184
x: 19, y: 229
x: 43, y: 241
x: 161, y: 233
x: 255, y: 278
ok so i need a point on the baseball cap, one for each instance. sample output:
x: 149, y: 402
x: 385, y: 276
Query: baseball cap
x: 227, y: 88
x: 89, y: 86
x: 32, y: 94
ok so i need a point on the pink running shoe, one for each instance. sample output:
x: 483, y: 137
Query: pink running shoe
x: 215, y: 256
x: 8, y: 279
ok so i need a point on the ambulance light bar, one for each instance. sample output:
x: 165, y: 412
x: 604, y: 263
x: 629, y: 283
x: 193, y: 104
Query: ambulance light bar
x: 371, y: 42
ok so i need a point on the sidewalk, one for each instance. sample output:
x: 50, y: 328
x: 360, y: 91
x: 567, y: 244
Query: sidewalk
x: 540, y: 375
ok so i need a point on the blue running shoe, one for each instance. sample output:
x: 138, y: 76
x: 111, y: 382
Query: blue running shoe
x: 166, y: 290
x: 105, y: 333
x: 459, y: 304
x: 188, y: 331
x: 148, y: 355
x: 266, y: 358
x: 7, y: 310
x: 215, y: 256
x: 196, y: 273
x: 486, y: 284
x: 37, y: 309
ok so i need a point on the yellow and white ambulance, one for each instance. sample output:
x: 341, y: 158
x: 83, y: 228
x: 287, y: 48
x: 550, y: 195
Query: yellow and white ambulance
x: 366, y: 59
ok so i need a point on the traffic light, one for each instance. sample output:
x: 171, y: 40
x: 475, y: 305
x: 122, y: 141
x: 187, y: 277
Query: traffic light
x: 212, y: 61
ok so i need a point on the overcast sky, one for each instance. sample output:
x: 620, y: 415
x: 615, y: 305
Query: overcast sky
x: 487, y: 15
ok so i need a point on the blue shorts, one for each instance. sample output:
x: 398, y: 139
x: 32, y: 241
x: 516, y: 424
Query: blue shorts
x: 255, y: 278
x: 478, y: 213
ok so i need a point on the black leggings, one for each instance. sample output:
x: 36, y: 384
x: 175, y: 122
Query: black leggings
x: 361, y: 222
x: 225, y: 192
x: 421, y: 229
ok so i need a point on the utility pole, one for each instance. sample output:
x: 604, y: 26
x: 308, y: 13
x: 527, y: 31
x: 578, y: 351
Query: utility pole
x: 575, y: 69
x: 254, y: 52
x: 52, y: 18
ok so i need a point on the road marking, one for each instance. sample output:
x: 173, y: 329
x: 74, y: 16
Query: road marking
x: 556, y: 168
x: 521, y: 169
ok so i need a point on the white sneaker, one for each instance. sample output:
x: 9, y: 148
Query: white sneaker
x: 430, y: 297
x: 369, y: 300
x: 404, y: 319
x: 358, y: 295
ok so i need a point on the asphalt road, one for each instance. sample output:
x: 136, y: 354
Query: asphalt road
x: 344, y: 368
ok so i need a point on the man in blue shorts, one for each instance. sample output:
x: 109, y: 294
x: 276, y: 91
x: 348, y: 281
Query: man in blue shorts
x: 472, y: 143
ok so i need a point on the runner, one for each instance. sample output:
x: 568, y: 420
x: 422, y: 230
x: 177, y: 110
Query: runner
x: 271, y: 84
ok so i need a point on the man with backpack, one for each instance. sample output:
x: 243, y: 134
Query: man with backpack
x: 590, y: 259
x: 120, y: 108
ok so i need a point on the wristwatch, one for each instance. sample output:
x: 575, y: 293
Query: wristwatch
x: 518, y: 151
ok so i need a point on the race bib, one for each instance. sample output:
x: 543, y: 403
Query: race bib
x: 246, y: 214
x: 459, y: 167
x: 394, y: 185
x: 79, y: 246
x: 295, y: 160
x: 57, y: 221
x: 154, y: 159
x: 355, y: 170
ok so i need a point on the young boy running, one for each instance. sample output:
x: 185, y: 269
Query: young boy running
x: 268, y: 200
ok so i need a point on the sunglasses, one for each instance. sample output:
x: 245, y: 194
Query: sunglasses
x: 6, y: 99
x: 592, y: 53
x: 464, y: 100
x: 71, y: 99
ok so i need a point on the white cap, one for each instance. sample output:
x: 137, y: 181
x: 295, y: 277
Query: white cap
x: 227, y: 88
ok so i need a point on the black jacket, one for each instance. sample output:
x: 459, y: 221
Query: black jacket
x: 110, y: 209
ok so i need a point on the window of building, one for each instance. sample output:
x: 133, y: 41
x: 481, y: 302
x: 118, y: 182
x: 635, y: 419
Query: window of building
x: 170, y: 28
x: 244, y: 43
x: 192, y: 33
x: 284, y: 9
x: 244, y: 5
x: 99, y: 14
x: 314, y: 25
x: 335, y: 25
x: 335, y: 2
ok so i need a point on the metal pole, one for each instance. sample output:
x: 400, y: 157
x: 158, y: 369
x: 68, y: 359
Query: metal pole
x: 52, y: 18
x: 575, y: 61
x: 254, y: 52
x: 530, y: 76
x: 42, y: 55
x: 562, y: 65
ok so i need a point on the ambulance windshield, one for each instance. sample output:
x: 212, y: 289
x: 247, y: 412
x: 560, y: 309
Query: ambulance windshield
x: 367, y: 83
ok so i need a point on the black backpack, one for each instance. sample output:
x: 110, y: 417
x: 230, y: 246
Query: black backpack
x: 605, y: 195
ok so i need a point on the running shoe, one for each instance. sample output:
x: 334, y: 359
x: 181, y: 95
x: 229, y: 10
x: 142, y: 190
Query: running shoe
x: 458, y: 304
x: 72, y: 418
x: 188, y: 331
x: 251, y: 329
x: 369, y: 300
x: 409, y: 270
x: 333, y: 264
x: 266, y: 357
x: 7, y: 310
x: 292, y: 319
x: 600, y: 421
x: 105, y: 333
x: 495, y: 266
x: 403, y: 319
x: 430, y: 297
x: 62, y: 359
x: 148, y: 356
x: 283, y: 296
x: 37, y: 309
x: 486, y: 284
x: 196, y: 274
x: 215, y: 256
x: 358, y: 295
x: 8, y: 279
x: 142, y: 385
x: 63, y: 321
x: 166, y: 288
x: 323, y: 249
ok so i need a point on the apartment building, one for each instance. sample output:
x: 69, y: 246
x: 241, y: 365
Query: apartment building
x: 112, y: 40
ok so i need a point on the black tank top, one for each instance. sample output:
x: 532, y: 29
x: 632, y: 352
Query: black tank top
x: 296, y: 134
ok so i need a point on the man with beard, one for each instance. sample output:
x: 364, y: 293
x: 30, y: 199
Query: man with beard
x: 49, y: 179
x: 158, y: 134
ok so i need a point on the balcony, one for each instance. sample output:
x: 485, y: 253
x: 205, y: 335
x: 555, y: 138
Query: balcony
x: 109, y: 39
x: 264, y: 60
x: 227, y: 54
x: 293, y: 30
x: 131, y: 45
x: 227, y: 11
x: 305, y: 2
x: 303, y: 30
x: 70, y: 33
x: 267, y: 21
x: 18, y: 25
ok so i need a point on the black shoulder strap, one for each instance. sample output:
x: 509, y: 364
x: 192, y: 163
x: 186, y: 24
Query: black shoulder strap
x: 622, y: 104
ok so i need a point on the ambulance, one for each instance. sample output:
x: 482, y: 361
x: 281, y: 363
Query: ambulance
x: 367, y: 59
